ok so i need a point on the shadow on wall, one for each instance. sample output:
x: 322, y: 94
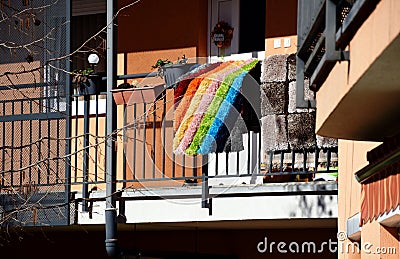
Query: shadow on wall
x: 161, y: 25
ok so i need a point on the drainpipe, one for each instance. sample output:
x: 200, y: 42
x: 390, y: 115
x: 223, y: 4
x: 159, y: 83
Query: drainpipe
x: 111, y: 241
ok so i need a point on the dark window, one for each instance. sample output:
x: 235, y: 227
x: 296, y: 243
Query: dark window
x: 83, y: 27
x: 252, y: 26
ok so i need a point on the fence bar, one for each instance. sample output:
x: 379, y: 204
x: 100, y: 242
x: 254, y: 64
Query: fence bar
x: 204, y: 183
x: 237, y: 163
x: 30, y: 141
x: 76, y: 138
x: 271, y: 159
x: 248, y: 152
x: 173, y: 165
x: 48, y: 151
x: 216, y: 163
x: 20, y: 152
x: 163, y: 132
x: 293, y: 160
x: 144, y: 142
x: 316, y: 159
x: 194, y: 171
x: 96, y: 149
x: 12, y: 150
x: 153, y: 148
x: 183, y: 165
x: 124, y: 140
x: 135, y: 125
x: 39, y: 150
x: 85, y: 157
x: 329, y: 160
x: 227, y: 163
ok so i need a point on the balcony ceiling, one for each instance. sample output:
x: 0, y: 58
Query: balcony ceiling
x: 370, y: 110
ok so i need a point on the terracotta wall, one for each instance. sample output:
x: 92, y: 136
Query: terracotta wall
x: 77, y: 148
x: 352, y: 157
x: 371, y: 39
x: 280, y: 23
x: 281, y: 18
x: 377, y: 32
x: 147, y: 32
x: 161, y: 29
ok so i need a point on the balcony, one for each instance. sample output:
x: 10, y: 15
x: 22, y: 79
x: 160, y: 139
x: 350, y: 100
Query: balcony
x: 68, y: 186
x: 349, y: 52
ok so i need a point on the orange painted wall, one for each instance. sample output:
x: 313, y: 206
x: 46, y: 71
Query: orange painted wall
x: 366, y: 46
x: 148, y: 31
x: 280, y: 23
x: 352, y: 157
x: 161, y: 29
x: 281, y: 18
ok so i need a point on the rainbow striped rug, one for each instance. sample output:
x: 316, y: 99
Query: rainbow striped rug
x: 207, y: 104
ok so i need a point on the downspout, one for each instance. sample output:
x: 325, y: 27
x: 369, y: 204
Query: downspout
x: 111, y: 241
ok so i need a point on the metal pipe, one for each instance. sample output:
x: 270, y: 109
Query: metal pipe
x: 111, y: 241
x: 85, y: 169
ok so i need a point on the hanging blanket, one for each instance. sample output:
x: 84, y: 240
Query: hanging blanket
x: 190, y: 92
x: 188, y: 77
x: 210, y: 102
x: 199, y: 104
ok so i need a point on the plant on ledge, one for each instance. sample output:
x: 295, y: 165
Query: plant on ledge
x: 161, y: 64
x: 131, y: 85
x: 171, y: 71
x: 82, y: 81
x: 88, y: 82
x: 81, y: 76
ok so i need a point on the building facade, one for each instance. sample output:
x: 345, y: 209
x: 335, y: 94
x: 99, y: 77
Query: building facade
x: 68, y: 181
x: 348, y: 51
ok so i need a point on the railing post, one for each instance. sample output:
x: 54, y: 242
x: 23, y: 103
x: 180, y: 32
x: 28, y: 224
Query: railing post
x: 85, y: 157
x: 206, y: 201
x: 330, y: 32
x: 254, y: 149
x: 300, y: 86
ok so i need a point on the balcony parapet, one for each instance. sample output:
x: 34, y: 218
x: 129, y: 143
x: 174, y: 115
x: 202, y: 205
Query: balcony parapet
x: 325, y: 28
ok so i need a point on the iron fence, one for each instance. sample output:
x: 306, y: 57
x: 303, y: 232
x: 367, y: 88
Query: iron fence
x: 324, y: 28
x: 33, y: 114
x: 146, y: 157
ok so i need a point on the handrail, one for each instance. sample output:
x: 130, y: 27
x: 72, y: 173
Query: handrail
x: 322, y: 43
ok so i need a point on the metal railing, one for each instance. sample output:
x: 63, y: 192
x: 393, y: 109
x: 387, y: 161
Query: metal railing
x: 33, y: 155
x: 146, y: 157
x: 144, y: 151
x: 325, y: 28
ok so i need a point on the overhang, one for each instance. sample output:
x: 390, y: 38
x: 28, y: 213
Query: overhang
x: 360, y: 98
x: 369, y: 110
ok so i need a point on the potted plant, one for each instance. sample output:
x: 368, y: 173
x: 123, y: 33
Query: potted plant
x: 130, y: 93
x: 171, y: 71
x: 87, y: 82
